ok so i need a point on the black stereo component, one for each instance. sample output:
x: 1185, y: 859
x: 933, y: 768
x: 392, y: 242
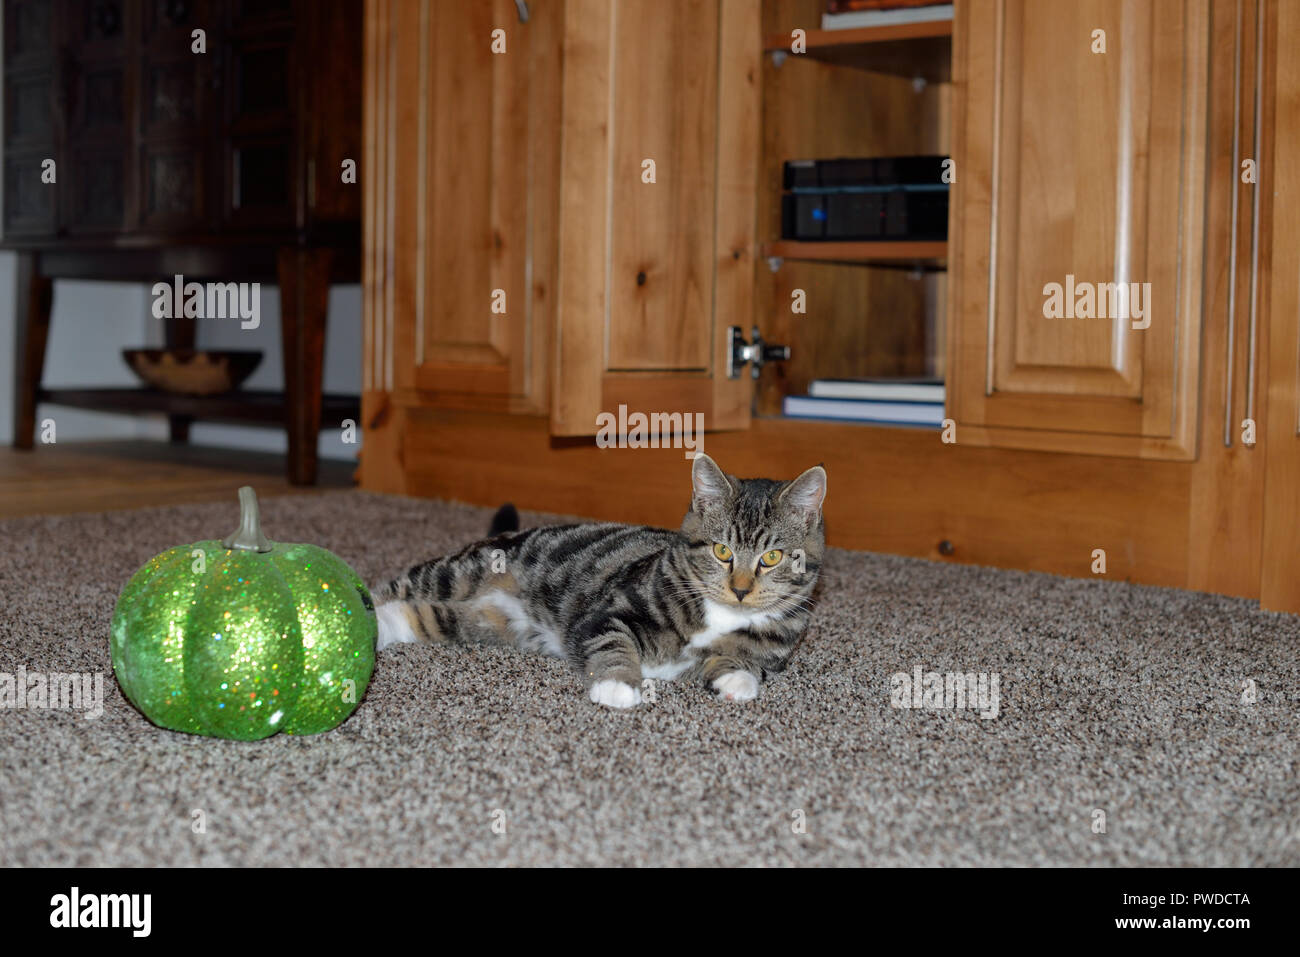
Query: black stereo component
x: 874, y: 171
x: 889, y: 197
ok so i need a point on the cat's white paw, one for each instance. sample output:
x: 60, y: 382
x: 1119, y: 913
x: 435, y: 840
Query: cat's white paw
x: 736, y: 686
x: 394, y: 625
x: 615, y: 694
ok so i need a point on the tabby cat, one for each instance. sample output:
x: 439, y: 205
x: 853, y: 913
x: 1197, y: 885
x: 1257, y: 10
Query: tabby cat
x: 722, y: 600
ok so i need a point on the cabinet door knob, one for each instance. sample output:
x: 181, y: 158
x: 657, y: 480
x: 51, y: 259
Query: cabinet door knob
x: 758, y: 353
x: 946, y: 547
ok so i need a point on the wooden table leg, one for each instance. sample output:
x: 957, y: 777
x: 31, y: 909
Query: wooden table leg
x: 33, y: 302
x: 304, y: 295
x: 179, y: 333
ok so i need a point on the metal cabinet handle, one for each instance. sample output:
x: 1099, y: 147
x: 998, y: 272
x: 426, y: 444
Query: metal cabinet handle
x: 1232, y: 232
x: 1255, y: 207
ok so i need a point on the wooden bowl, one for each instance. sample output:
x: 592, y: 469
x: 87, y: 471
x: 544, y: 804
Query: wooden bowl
x: 190, y: 371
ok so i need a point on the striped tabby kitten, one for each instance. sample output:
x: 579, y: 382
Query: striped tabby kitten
x: 723, y: 600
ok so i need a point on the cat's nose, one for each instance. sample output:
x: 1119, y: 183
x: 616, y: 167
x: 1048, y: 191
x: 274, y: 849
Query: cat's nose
x: 741, y: 592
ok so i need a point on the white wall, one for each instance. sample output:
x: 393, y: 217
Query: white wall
x: 94, y: 321
x: 83, y: 352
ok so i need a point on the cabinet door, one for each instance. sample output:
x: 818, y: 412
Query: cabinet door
x: 35, y: 99
x: 96, y: 116
x: 333, y: 123
x: 461, y: 187
x: 1280, y: 436
x: 177, y: 174
x: 262, y: 175
x: 658, y: 179
x: 1077, y: 224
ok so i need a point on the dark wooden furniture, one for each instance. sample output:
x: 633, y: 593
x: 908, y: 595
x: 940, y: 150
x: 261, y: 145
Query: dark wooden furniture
x: 217, y: 155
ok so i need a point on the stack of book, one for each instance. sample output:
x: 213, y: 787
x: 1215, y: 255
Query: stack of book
x: 914, y: 402
x: 852, y: 14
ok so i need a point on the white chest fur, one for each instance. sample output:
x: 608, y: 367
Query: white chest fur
x: 719, y: 620
x: 722, y: 619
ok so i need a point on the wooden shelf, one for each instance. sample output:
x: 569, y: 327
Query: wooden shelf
x: 882, y: 251
x: 850, y: 423
x: 905, y: 49
x: 820, y: 39
x: 250, y: 407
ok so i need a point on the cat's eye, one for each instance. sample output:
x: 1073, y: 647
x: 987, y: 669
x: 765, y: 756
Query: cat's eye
x: 771, y: 558
x: 721, y: 552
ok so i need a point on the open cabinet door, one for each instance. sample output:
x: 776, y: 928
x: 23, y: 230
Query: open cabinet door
x: 658, y: 176
x: 1078, y: 225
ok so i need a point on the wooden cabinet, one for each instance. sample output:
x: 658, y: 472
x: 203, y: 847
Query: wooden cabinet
x: 207, y: 138
x: 1099, y: 147
x: 1078, y: 224
x: 154, y: 138
x: 561, y: 216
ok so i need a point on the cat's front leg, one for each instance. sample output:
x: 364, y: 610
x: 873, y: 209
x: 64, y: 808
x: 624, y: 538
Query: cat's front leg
x: 737, y: 664
x: 610, y: 663
x: 730, y: 677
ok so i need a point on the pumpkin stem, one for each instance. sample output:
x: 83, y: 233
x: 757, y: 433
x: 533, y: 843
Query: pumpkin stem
x: 249, y: 535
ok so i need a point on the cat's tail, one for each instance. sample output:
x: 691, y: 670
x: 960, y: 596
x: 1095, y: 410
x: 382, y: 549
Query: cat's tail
x: 505, y: 520
x: 443, y: 599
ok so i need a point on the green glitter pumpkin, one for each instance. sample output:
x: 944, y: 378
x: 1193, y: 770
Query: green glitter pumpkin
x: 243, y: 638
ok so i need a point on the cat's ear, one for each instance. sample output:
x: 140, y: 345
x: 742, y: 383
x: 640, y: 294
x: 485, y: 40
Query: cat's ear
x: 712, y: 487
x: 805, y: 495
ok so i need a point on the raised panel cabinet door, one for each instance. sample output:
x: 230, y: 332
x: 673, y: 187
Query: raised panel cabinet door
x: 657, y: 209
x: 99, y: 78
x: 1078, y: 223
x: 462, y: 146
x: 35, y: 94
x: 259, y: 151
x: 333, y: 126
x: 175, y: 168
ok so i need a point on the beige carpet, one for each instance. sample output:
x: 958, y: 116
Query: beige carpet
x: 1114, y: 698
